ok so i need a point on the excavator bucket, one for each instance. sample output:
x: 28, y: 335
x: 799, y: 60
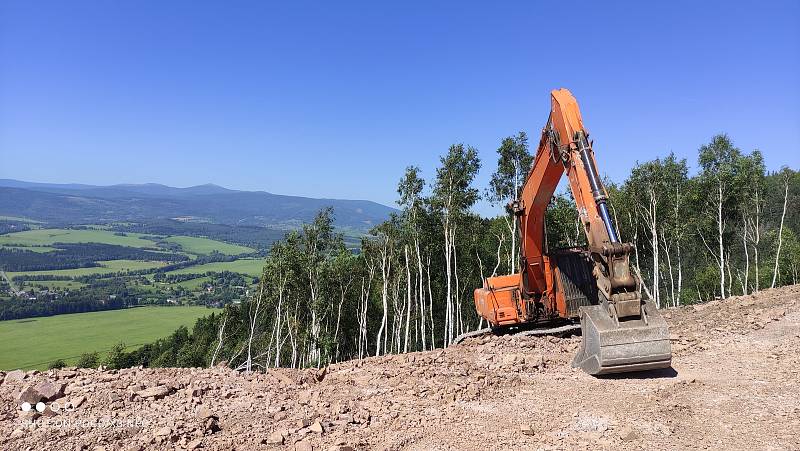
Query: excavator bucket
x: 630, y: 345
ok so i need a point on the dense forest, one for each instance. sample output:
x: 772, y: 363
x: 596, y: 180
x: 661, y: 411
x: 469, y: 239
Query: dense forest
x: 731, y: 228
x: 78, y: 255
x: 110, y: 294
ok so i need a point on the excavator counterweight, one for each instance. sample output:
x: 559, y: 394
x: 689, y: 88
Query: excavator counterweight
x: 593, y: 284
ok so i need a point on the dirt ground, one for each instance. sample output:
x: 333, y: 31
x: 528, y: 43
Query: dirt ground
x: 735, y: 384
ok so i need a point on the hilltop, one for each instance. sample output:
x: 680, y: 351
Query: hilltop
x: 734, y: 383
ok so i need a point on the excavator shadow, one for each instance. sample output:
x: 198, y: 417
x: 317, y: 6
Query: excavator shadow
x: 661, y: 373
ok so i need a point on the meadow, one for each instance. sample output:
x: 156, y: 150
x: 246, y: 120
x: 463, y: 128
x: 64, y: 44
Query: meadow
x: 249, y: 266
x: 44, y: 237
x: 33, y: 343
x: 106, y: 267
x: 195, y: 245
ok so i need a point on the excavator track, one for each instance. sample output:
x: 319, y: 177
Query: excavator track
x: 568, y: 328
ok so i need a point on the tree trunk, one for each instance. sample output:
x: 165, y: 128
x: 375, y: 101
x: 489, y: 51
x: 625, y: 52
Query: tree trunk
x: 430, y: 300
x: 720, y: 230
x: 746, y: 257
x: 448, y: 273
x: 780, y: 232
x: 421, y: 295
x: 757, y: 234
x: 654, y: 242
x: 385, y: 270
x: 220, y: 337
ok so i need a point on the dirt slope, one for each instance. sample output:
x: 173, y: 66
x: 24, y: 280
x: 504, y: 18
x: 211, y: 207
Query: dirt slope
x: 735, y: 385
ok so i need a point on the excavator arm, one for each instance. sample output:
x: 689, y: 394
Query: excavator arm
x: 565, y: 147
x: 621, y: 332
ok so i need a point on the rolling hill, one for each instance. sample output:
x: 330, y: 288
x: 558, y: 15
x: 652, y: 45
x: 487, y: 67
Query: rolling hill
x: 84, y: 204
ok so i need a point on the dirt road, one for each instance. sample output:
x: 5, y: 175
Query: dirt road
x: 735, y: 384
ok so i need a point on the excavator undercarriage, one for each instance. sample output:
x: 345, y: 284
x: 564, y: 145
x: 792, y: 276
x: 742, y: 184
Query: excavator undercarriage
x: 555, y: 289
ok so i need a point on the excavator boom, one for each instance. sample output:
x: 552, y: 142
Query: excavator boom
x: 621, y: 331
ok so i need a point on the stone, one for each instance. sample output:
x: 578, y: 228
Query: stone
x: 204, y: 413
x: 527, y: 429
x: 536, y: 361
x: 30, y: 395
x: 193, y: 392
x: 276, y: 438
x: 14, y: 376
x: 67, y: 373
x: 194, y: 444
x: 509, y: 360
x: 77, y: 401
x: 627, y: 434
x: 321, y: 373
x: 157, y: 392
x: 305, y: 422
x: 317, y: 427
x: 303, y: 445
x: 163, y: 432
x: 280, y: 416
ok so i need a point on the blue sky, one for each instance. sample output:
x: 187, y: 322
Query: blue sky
x: 334, y: 99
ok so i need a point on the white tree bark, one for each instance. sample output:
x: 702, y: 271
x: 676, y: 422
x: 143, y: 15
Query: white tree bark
x: 421, y: 295
x: 780, y: 231
x: 720, y: 232
x: 386, y: 267
x: 220, y: 336
x: 746, y: 256
x: 408, y: 299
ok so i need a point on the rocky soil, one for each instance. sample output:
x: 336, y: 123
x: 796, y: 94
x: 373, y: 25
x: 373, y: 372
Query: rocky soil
x: 735, y: 384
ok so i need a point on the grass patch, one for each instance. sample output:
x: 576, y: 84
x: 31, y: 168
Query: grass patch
x: 248, y: 266
x: 107, y: 267
x: 35, y: 342
x: 197, y: 245
x: 50, y: 236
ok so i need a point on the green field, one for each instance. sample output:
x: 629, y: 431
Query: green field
x: 107, y: 267
x: 248, y: 266
x: 196, y: 245
x: 50, y: 236
x: 35, y: 342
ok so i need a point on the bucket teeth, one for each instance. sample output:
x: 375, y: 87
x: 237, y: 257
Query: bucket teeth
x: 630, y: 345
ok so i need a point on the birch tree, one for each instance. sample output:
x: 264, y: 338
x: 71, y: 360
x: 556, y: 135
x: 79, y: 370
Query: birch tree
x: 718, y: 160
x: 786, y: 177
x: 513, y: 164
x: 453, y: 195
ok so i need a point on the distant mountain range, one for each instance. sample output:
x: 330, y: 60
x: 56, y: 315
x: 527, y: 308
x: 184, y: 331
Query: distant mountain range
x: 84, y: 204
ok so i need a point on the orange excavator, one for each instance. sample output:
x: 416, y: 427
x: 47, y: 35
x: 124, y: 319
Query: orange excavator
x: 621, y: 331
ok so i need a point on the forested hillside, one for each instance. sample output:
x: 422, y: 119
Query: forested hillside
x: 729, y: 228
x: 59, y: 204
